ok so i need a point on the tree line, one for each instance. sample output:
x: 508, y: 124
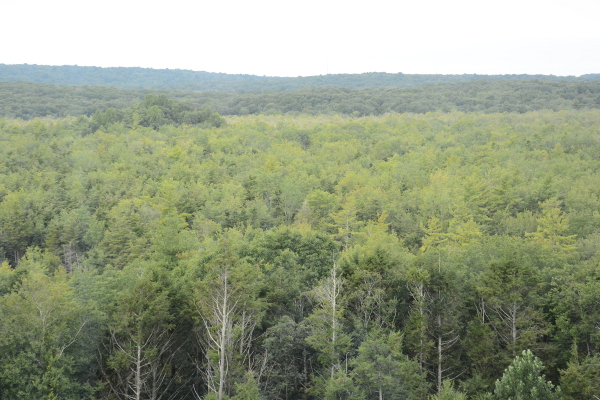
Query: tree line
x: 187, y: 80
x: 155, y: 111
x: 31, y: 100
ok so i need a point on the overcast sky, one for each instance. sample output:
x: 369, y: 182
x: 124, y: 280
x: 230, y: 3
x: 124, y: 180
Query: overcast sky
x: 309, y: 37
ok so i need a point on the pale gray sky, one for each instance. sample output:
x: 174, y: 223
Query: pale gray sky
x: 311, y: 37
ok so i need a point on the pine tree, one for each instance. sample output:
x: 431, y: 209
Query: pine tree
x: 346, y: 223
x: 581, y: 378
x: 553, y: 228
x: 448, y: 392
x: 382, y: 371
x: 523, y: 380
x: 327, y: 335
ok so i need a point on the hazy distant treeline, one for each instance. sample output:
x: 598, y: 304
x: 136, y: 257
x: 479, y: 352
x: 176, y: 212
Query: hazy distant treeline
x: 30, y: 100
x: 166, y: 79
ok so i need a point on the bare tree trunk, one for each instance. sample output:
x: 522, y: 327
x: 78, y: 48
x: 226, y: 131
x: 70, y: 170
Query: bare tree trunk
x: 417, y: 291
x: 223, y: 336
x: 440, y: 358
x: 380, y: 389
x: 333, y: 316
x: 138, y: 373
x: 327, y: 294
x: 228, y: 328
x: 513, y: 327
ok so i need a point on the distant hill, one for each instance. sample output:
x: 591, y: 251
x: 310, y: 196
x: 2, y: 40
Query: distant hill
x: 187, y: 80
x: 30, y: 100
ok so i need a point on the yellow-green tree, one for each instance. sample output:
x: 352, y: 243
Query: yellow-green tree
x: 326, y: 323
x: 44, y: 334
x: 346, y: 223
x: 553, y: 228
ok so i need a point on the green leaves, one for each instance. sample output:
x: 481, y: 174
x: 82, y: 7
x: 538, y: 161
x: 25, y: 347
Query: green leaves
x: 382, y: 371
x: 523, y: 379
x: 328, y: 335
x: 156, y: 111
x: 581, y: 378
x: 146, y: 221
x: 448, y: 393
x: 510, y: 291
x: 140, y: 345
x: 44, y: 331
x: 553, y: 228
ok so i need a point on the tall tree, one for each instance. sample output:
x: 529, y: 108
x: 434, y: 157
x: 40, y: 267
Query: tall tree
x: 326, y: 323
x: 581, y: 378
x: 229, y: 313
x: 140, y: 344
x: 382, y: 371
x: 509, y: 289
x: 523, y: 379
x: 553, y: 228
x: 44, y: 335
x: 288, y: 360
x: 419, y: 318
x: 346, y: 223
x: 445, y: 327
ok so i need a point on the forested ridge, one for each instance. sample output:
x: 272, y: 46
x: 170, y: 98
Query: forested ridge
x: 156, y: 252
x: 30, y: 100
x: 187, y: 80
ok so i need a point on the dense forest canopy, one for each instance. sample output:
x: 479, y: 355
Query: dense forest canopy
x: 168, y: 79
x: 372, y: 236
x: 29, y: 100
x: 301, y: 256
x: 154, y: 112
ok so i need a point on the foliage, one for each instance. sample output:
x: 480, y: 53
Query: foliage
x: 155, y: 111
x: 448, y: 393
x: 523, y: 380
x: 580, y: 380
x: 44, y: 334
x: 459, y: 240
x: 148, y: 78
x: 486, y: 94
x: 381, y: 370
